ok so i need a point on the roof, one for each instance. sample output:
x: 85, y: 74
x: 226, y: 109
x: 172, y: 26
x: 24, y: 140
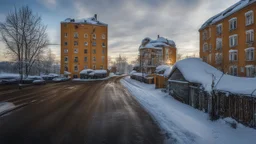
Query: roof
x: 196, y: 71
x: 91, y: 20
x: 229, y: 11
x: 159, y: 43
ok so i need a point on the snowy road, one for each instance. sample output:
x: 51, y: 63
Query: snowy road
x: 75, y: 112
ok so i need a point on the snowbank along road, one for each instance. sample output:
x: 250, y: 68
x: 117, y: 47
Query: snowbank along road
x: 78, y: 113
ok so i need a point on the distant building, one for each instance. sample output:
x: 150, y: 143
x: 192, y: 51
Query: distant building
x: 227, y: 39
x: 84, y: 45
x: 156, y: 52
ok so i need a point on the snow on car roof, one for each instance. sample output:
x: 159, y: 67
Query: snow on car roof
x: 229, y: 11
x: 100, y: 71
x: 196, y: 71
x: 159, y: 43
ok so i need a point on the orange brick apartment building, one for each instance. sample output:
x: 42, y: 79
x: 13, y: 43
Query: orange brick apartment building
x: 227, y: 39
x: 84, y: 45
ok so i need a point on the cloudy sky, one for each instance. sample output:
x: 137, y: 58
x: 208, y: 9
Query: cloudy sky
x: 129, y: 20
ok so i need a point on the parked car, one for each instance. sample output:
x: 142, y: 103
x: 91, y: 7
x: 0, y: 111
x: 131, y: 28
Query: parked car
x: 8, y: 80
x: 60, y: 79
x: 38, y: 81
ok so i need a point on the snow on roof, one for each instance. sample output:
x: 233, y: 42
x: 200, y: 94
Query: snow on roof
x: 91, y: 20
x: 161, y: 68
x: 85, y: 71
x: 168, y: 71
x: 159, y: 43
x: 100, y: 71
x: 196, y: 71
x: 132, y: 72
x: 229, y: 11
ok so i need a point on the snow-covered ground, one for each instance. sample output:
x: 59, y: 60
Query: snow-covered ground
x: 182, y: 123
x: 4, y: 106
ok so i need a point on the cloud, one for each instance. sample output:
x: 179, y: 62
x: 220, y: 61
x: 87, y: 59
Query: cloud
x: 48, y: 3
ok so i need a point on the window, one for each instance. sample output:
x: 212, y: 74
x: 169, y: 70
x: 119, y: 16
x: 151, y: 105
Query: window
x: 75, y: 68
x: 94, y: 59
x: 205, y: 47
x: 94, y: 36
x: 103, y: 36
x: 233, y: 55
x: 205, y: 35
x: 204, y: 58
x: 218, y: 43
x: 242, y: 69
x: 85, y: 43
x: 249, y: 54
x: 218, y: 58
x: 209, y: 58
x: 65, y: 34
x: 85, y: 35
x: 94, y: 51
x: 75, y: 76
x: 219, y: 29
x: 93, y: 43
x: 66, y: 68
x: 85, y: 67
x: 76, y: 59
x: 232, y: 23
x: 103, y: 44
x: 103, y: 58
x: 94, y: 67
x: 85, y: 51
x: 75, y: 35
x: 75, y: 43
x: 66, y: 59
x: 101, y: 67
x: 103, y: 51
x: 65, y: 43
x: 65, y: 50
x: 210, y: 47
x: 233, y: 70
x: 250, y: 36
x: 76, y: 50
x: 233, y: 40
x: 249, y: 18
x: 250, y: 71
x: 85, y: 59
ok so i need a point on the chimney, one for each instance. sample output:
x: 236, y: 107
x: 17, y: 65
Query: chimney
x: 95, y: 16
x: 158, y: 36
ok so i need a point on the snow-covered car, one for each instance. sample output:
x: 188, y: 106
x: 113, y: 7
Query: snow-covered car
x: 38, y: 81
x: 8, y: 81
x: 60, y: 79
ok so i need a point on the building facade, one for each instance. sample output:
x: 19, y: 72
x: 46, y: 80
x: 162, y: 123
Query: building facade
x: 227, y: 39
x: 84, y: 45
x: 156, y: 52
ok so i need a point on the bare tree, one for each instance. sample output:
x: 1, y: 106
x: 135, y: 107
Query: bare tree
x: 24, y: 36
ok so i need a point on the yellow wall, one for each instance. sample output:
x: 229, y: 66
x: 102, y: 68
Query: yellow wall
x: 70, y: 29
x: 241, y: 31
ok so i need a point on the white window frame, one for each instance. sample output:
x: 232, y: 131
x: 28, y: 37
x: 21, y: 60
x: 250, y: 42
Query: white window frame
x: 104, y: 44
x: 76, y: 50
x: 94, y: 51
x: 218, y: 58
x: 219, y: 29
x: 232, y: 55
x: 94, y: 67
x: 66, y: 59
x: 75, y: 59
x: 75, y: 43
x: 232, y: 42
x: 65, y: 35
x: 103, y: 36
x: 218, y: 43
x: 249, y: 54
x: 85, y: 35
x: 75, y: 34
x: 65, y: 50
x: 75, y: 68
x: 205, y: 47
x: 94, y: 59
x: 233, y: 24
x: 232, y: 70
x: 86, y: 59
x: 205, y: 34
x: 94, y: 36
x: 94, y: 42
x: 251, y: 36
x: 249, y: 22
x: 250, y: 71
x: 85, y: 43
x: 209, y: 58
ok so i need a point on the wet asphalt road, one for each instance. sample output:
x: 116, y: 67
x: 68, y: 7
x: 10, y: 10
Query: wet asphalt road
x: 76, y: 112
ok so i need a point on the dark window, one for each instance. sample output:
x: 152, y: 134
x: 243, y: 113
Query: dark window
x: 85, y: 51
x: 85, y: 59
x: 94, y: 43
x: 94, y: 51
x: 76, y: 59
x: 177, y: 75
